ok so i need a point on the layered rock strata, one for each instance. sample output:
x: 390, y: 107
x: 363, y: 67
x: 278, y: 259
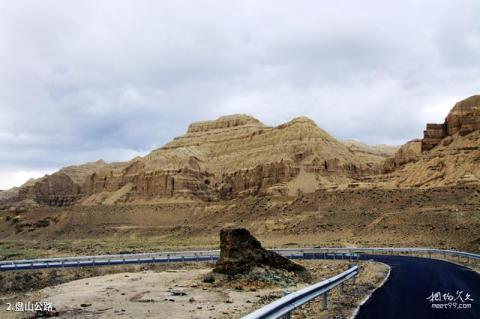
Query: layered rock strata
x: 238, y: 156
x: 233, y: 156
x: 449, y: 154
x: 463, y: 119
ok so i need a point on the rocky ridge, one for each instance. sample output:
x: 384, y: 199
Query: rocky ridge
x: 407, y: 153
x: 448, y: 154
x: 372, y: 153
x: 233, y: 156
x: 237, y: 156
x: 462, y: 120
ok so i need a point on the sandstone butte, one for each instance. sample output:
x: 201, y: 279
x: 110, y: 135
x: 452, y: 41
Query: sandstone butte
x: 238, y: 156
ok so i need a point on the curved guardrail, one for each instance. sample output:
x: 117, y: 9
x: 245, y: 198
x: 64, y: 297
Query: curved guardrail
x: 109, y: 260
x: 212, y: 255
x: 284, y: 306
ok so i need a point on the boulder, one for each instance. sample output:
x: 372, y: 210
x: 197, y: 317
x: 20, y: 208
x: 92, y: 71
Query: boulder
x: 240, y: 252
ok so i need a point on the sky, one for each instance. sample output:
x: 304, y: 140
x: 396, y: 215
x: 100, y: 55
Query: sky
x: 88, y: 80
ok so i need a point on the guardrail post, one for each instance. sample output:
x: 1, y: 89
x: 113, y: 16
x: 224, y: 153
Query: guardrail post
x: 325, y: 301
x: 342, y: 288
x: 354, y: 280
x: 289, y: 314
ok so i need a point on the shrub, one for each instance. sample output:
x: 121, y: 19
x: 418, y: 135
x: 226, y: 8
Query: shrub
x: 209, y: 278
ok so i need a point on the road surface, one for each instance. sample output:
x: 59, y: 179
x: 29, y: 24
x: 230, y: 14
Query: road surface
x: 413, y: 280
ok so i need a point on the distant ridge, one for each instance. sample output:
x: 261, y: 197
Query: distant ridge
x: 238, y: 156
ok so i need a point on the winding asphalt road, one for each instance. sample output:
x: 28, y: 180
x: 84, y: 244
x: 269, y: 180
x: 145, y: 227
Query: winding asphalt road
x: 412, y: 280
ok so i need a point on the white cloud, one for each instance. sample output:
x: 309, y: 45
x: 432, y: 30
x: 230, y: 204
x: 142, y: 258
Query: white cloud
x: 110, y: 79
x: 17, y: 178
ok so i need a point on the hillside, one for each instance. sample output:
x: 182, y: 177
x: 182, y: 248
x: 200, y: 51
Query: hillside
x: 233, y: 156
x: 448, y: 154
x: 372, y: 153
x: 292, y: 184
x: 237, y: 156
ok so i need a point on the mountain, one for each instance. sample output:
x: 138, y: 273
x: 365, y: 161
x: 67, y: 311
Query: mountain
x: 237, y: 156
x: 448, y: 154
x: 373, y: 153
x: 233, y: 156
x: 6, y: 195
x: 11, y: 195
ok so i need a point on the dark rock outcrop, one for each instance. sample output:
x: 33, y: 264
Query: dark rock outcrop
x: 240, y: 252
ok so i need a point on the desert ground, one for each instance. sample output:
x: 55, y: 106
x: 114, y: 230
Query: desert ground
x: 177, y: 290
x: 438, y: 217
x: 292, y: 185
x: 447, y: 217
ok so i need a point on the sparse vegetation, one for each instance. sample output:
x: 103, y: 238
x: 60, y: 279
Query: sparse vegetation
x: 209, y: 278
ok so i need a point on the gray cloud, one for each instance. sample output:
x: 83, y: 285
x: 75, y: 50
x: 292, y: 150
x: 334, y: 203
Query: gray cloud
x: 114, y: 79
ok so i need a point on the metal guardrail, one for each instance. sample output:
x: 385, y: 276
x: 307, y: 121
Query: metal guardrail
x: 277, y: 309
x: 144, y: 258
x: 212, y: 255
x: 387, y: 250
x: 282, y: 307
x: 109, y: 260
x: 119, y: 256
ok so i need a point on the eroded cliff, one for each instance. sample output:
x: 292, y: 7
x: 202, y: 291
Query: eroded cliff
x: 233, y: 156
x: 238, y: 156
x: 448, y: 154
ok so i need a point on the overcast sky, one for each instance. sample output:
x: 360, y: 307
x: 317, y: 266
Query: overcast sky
x: 84, y: 80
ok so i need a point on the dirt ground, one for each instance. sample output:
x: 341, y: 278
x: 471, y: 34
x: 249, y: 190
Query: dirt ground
x: 178, y: 291
x: 446, y: 217
x: 443, y: 218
